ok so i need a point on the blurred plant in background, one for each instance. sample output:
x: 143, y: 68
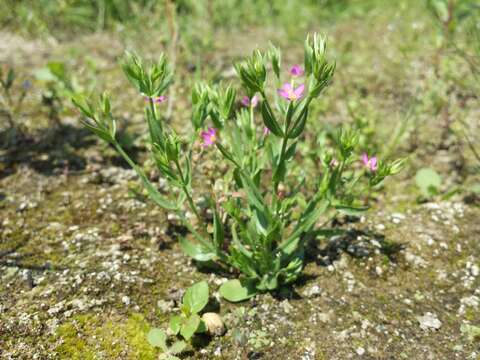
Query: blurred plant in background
x: 11, y: 100
x: 60, y: 86
x: 450, y: 16
x: 458, y: 23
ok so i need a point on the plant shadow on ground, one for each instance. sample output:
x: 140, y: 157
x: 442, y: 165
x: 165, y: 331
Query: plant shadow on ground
x: 357, y: 243
x: 354, y: 242
x: 47, y: 151
x: 52, y: 150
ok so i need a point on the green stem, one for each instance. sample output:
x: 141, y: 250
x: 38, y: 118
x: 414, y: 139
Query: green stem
x: 152, y: 189
x: 188, y: 195
x: 282, y: 154
x: 153, y: 109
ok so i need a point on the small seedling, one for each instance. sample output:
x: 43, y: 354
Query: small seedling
x: 185, y: 325
x: 158, y: 338
x: 189, y: 321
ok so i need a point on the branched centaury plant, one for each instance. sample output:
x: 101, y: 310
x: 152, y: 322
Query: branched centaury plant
x: 266, y: 208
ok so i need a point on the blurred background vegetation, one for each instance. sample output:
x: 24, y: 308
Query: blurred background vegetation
x: 407, y: 74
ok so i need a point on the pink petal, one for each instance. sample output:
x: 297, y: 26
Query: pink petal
x: 287, y: 87
x: 254, y: 100
x: 299, y: 90
x: 245, y: 101
x: 365, y: 159
x: 284, y: 94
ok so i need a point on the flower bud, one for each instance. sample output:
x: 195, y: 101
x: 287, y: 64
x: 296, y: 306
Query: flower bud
x: 316, y: 63
x: 172, y: 148
x: 275, y: 58
x: 252, y: 72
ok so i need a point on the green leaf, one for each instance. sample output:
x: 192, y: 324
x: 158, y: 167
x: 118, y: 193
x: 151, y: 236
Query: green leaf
x: 475, y: 188
x: 190, y: 326
x: 175, y: 324
x: 177, y: 347
x: 269, y: 119
x: 196, y: 297
x: 44, y: 75
x: 280, y: 172
x: 299, y: 126
x: 290, y: 153
x: 154, y: 127
x: 57, y: 69
x: 306, y: 221
x: 101, y: 133
x: 261, y: 222
x: 195, y: 251
x: 236, y: 290
x: 157, y: 337
x: 428, y: 180
x: 351, y: 210
x: 226, y: 153
x: 218, y: 234
x: 202, y: 327
x: 268, y: 282
x: 10, y: 78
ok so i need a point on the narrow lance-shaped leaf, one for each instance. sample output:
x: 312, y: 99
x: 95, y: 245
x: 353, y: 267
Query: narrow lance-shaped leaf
x: 269, y: 119
x: 218, y: 233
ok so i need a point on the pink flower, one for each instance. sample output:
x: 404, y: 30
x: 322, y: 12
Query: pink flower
x: 288, y: 92
x: 209, y: 136
x: 158, y: 99
x: 296, y: 70
x: 266, y: 131
x: 370, y: 163
x: 247, y: 102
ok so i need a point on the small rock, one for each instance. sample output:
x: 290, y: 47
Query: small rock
x: 429, y: 321
x: 126, y: 300
x: 165, y: 306
x: 214, y: 324
x: 313, y: 291
x: 324, y: 317
x: 286, y: 306
x: 475, y: 270
x: 360, y: 351
x: 415, y: 259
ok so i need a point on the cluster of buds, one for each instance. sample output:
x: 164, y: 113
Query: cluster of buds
x: 215, y: 103
x: 252, y: 72
x: 317, y: 64
x: 151, y: 79
x: 98, y: 117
